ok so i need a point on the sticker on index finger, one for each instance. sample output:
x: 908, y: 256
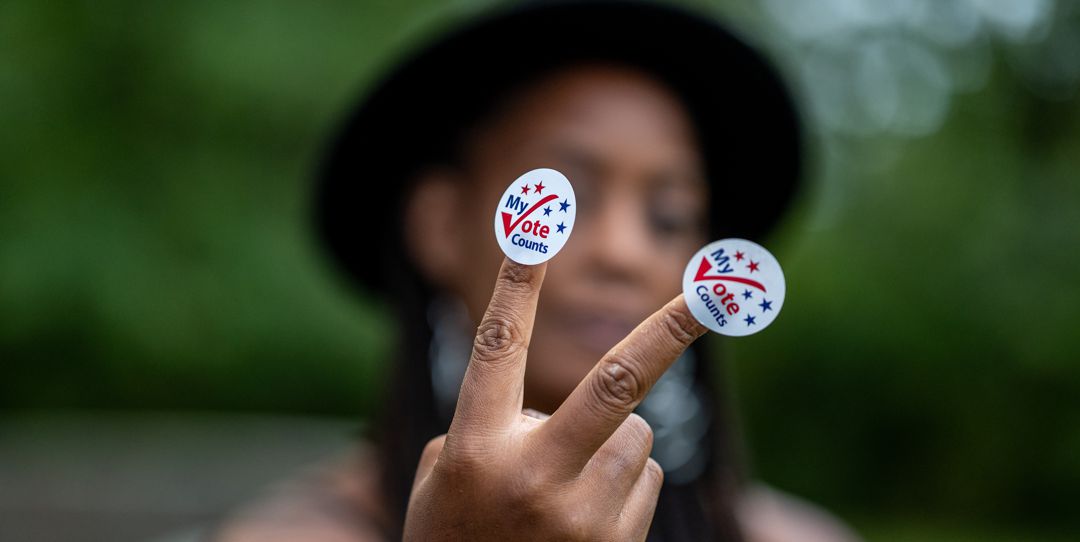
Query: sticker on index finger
x: 535, y: 216
x: 734, y: 287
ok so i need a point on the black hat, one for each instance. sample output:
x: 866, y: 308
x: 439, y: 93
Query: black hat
x: 745, y: 118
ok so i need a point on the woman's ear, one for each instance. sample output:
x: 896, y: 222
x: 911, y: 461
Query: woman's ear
x: 432, y: 235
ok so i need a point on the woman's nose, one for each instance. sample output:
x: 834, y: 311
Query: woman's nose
x: 620, y: 243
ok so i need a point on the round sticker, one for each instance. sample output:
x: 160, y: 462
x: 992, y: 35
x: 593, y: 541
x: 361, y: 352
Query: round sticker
x: 734, y: 287
x: 535, y: 216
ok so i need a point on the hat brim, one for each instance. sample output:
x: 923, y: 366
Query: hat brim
x: 746, y: 120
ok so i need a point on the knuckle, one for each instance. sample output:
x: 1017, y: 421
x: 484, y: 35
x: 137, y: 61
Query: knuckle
x: 531, y: 484
x: 577, y: 523
x: 629, y: 448
x: 497, y: 337
x: 622, y: 460
x: 434, y: 446
x: 463, y: 467
x: 639, y: 430
x: 531, y: 493
x: 463, y: 459
x: 618, y: 386
x: 681, y: 325
x: 654, y: 471
x: 516, y: 274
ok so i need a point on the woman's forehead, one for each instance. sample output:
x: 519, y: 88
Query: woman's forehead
x: 599, y: 114
x: 599, y: 92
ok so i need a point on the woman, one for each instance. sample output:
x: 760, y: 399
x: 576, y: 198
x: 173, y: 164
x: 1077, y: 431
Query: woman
x: 665, y: 153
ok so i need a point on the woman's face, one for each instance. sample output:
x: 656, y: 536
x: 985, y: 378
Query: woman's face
x: 628, y: 148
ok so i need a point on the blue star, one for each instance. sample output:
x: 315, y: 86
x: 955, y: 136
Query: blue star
x: 547, y: 211
x: 561, y: 227
x: 746, y: 294
x: 765, y: 305
x: 564, y: 205
x: 749, y: 320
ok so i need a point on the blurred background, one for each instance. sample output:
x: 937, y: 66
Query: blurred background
x: 171, y: 340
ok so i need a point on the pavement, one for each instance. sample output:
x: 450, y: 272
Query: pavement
x: 146, y: 476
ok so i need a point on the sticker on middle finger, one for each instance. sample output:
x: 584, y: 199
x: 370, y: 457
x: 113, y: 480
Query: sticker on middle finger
x: 535, y: 216
x: 734, y: 287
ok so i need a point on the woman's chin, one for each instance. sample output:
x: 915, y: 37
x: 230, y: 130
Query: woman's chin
x: 564, y: 349
x: 553, y: 373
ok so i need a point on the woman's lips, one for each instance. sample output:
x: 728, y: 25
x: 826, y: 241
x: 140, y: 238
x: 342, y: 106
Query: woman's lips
x: 596, y: 331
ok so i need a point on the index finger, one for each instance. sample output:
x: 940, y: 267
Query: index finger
x: 491, y: 392
x: 616, y: 385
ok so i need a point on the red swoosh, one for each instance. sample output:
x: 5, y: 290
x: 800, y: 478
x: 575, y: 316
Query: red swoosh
x: 705, y: 267
x: 508, y: 227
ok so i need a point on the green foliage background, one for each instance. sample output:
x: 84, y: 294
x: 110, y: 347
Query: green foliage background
x: 154, y: 254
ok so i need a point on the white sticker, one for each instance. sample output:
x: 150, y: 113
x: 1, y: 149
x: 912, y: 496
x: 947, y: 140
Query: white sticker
x: 535, y: 216
x: 734, y: 287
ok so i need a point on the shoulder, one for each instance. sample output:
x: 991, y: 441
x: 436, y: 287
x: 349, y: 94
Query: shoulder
x: 333, y: 501
x: 769, y: 515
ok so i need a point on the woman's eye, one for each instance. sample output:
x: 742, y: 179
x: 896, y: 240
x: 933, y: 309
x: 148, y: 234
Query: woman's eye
x: 674, y: 209
x: 669, y: 223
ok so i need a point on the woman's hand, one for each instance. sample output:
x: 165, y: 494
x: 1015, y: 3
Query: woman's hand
x: 582, y: 474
